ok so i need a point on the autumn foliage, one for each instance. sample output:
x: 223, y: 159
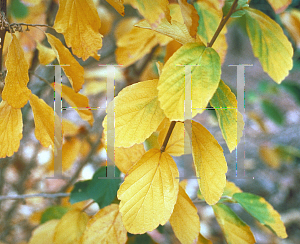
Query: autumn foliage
x: 149, y: 112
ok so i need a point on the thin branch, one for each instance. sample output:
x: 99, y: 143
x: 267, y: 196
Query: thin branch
x: 222, y: 23
x: 44, y: 195
x: 172, y: 125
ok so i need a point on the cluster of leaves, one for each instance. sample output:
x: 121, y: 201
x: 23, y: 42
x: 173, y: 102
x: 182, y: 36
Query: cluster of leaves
x: 151, y: 194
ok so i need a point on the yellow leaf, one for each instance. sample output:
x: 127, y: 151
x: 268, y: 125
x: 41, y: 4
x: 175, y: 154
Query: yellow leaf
x: 46, y: 54
x: 266, y: 38
x: 44, y: 233
x: 71, y: 227
x: 15, y: 91
x: 80, y: 101
x: 70, y: 152
x: 203, y: 240
x: 225, y: 103
x: 125, y: 26
x: 234, y: 229
x: 291, y: 21
x: 74, y: 71
x: 153, y: 11
x: 176, y: 30
x: 279, y: 5
x: 149, y: 192
x: 11, y: 127
x: 43, y: 120
x: 184, y: 219
x: 94, y: 87
x: 210, y: 163
x: 118, y: 5
x: 175, y: 146
x: 205, y: 79
x: 134, y: 45
x: 79, y: 21
x: 125, y: 158
x: 270, y: 156
x: 69, y: 128
x: 105, y: 227
x: 107, y: 19
x: 190, y: 16
x: 171, y: 48
x: 137, y: 113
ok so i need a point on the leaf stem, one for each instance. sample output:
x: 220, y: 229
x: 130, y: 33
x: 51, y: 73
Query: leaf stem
x: 172, y: 125
x: 222, y: 23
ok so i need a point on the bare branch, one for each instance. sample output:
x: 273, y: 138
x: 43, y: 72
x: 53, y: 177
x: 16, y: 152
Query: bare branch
x: 45, y: 195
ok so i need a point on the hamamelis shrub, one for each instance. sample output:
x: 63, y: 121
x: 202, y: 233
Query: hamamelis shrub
x: 191, y: 34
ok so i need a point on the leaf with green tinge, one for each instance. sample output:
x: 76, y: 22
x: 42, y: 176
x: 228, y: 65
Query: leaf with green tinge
x: 230, y: 120
x: 54, y: 212
x: 269, y: 44
x: 235, y: 230
x: 103, y: 190
x: 263, y: 211
x: 241, y: 4
x: 273, y: 112
x: 205, y: 79
x: 18, y: 9
x: 79, y: 192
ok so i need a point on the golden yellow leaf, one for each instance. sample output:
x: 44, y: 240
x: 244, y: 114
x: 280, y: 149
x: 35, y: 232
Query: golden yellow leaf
x: 205, y: 79
x: 171, y: 48
x: 137, y: 113
x: 46, y: 54
x: 225, y: 103
x: 11, y: 127
x: 266, y: 38
x: 118, y: 5
x: 153, y: 11
x: 70, y: 151
x: 69, y: 128
x: 175, y: 146
x: 107, y: 19
x: 269, y: 155
x: 176, y: 30
x: 74, y: 71
x: 31, y: 2
x: 125, y: 26
x: 291, y: 21
x: 44, y: 233
x: 203, y: 240
x: 43, y: 120
x: 190, y: 16
x: 77, y: 100
x: 279, y: 5
x: 15, y: 91
x: 71, y: 227
x: 105, y: 227
x: 94, y: 87
x: 79, y: 21
x: 184, y: 219
x: 149, y: 192
x: 125, y: 158
x: 235, y: 230
x: 210, y: 163
x: 134, y: 45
